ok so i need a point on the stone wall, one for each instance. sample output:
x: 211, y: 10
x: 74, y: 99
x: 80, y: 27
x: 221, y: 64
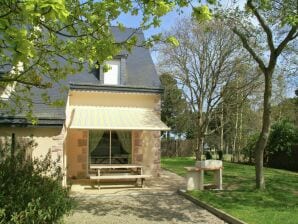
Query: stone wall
x: 46, y: 139
x: 146, y: 147
x: 146, y: 151
x: 56, y: 149
x: 77, y: 154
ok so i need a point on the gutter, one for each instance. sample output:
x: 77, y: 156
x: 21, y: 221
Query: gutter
x: 131, y: 89
x: 23, y: 122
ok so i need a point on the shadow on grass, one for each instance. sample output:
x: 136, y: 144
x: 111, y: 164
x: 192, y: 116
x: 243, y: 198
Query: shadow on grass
x: 279, y: 202
x: 240, y: 192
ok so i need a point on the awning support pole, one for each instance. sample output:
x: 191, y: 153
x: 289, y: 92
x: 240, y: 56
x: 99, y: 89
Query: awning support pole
x: 110, y: 147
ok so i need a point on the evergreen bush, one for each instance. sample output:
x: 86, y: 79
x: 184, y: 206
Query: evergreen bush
x: 30, y: 190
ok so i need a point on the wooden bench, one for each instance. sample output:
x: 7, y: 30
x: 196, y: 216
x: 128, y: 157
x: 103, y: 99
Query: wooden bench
x: 142, y: 177
x: 114, y: 172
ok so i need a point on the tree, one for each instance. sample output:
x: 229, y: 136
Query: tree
x: 41, y: 42
x: 283, y: 136
x: 174, y: 108
x: 205, y: 60
x: 235, y: 104
x: 287, y: 109
x: 278, y: 21
x: 234, y: 118
x: 281, y: 150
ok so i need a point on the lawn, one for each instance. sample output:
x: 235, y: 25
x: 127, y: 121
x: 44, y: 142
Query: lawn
x: 277, y: 204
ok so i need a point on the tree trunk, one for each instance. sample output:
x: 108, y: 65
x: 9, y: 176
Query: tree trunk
x: 200, y: 133
x: 222, y: 128
x: 262, y: 141
x: 236, y: 124
x: 199, y: 148
x: 13, y: 146
x: 176, y: 148
x: 236, y: 136
x: 240, y: 143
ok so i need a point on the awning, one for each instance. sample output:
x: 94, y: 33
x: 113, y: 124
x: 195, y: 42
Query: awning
x: 115, y: 118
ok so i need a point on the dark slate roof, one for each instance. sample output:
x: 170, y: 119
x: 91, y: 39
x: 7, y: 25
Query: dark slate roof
x: 140, y: 69
x: 141, y: 76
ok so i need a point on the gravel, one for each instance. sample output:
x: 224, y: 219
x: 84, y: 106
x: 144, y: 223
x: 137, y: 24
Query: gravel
x: 152, y: 205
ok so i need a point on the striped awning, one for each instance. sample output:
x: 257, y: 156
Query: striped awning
x: 115, y: 118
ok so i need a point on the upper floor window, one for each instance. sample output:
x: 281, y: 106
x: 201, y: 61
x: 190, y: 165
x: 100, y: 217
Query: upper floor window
x: 112, y: 76
x: 5, y: 92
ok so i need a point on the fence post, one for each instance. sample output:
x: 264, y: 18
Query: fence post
x: 176, y: 150
x: 13, y: 145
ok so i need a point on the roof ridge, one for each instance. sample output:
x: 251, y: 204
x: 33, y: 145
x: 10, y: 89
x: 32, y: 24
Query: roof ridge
x: 126, y: 27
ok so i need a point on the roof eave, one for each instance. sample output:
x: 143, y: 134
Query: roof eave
x: 132, y: 89
x: 23, y: 122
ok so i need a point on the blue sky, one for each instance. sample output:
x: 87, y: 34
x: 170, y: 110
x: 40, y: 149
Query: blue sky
x: 168, y: 20
x: 171, y: 18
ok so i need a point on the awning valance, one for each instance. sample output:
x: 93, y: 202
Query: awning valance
x: 115, y: 118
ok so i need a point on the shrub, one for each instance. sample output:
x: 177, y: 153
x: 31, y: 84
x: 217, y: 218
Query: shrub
x: 31, y: 190
x: 282, y: 147
x: 278, y: 153
x: 282, y: 137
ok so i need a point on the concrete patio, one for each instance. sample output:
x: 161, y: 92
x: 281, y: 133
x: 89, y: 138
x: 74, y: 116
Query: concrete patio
x: 157, y: 203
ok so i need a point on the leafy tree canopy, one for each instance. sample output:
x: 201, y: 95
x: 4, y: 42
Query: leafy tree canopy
x: 34, y: 31
x: 34, y: 34
x: 174, y: 110
x: 282, y: 137
x: 43, y: 41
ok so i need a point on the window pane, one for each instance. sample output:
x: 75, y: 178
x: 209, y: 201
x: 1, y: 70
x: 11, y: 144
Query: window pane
x: 121, y: 147
x: 99, y: 147
x: 112, y: 76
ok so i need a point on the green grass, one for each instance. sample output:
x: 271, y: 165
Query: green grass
x: 277, y: 204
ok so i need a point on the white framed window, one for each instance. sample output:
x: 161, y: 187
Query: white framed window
x: 112, y: 76
x: 7, y: 91
x: 110, y: 147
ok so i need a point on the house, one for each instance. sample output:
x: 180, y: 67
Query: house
x: 108, y: 118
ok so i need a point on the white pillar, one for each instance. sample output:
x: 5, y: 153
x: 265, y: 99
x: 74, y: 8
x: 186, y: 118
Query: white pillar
x: 192, y: 180
x: 201, y: 179
x: 195, y: 180
x: 218, y: 178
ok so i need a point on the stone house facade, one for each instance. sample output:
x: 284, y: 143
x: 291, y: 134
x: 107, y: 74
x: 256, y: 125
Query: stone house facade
x: 108, y: 118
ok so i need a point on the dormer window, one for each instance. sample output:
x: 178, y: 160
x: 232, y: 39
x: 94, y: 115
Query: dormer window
x: 6, y: 92
x: 112, y: 76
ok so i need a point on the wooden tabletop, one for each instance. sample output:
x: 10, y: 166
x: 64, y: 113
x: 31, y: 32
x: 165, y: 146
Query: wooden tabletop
x: 114, y: 166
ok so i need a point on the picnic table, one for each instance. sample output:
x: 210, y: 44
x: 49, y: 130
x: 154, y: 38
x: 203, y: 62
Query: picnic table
x: 115, y: 172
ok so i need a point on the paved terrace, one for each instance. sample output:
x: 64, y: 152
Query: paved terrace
x: 157, y: 203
